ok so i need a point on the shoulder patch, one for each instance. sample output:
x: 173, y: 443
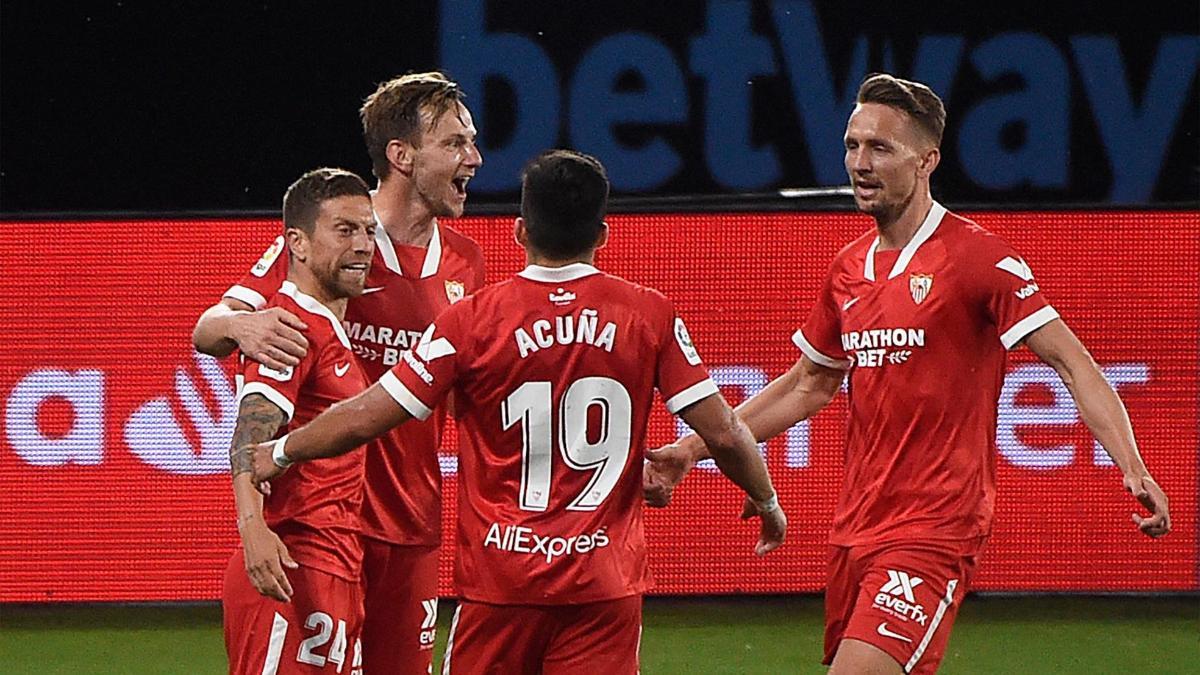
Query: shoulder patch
x: 431, y: 348
x: 685, y: 343
x: 268, y: 257
x: 1016, y: 267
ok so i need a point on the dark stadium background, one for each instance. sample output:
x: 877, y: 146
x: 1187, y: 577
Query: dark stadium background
x: 189, y: 106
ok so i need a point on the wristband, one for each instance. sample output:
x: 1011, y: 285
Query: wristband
x: 767, y: 505
x: 281, y: 460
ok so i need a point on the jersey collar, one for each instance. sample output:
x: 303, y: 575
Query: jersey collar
x: 310, y: 304
x: 554, y: 275
x: 932, y: 220
x: 387, y: 250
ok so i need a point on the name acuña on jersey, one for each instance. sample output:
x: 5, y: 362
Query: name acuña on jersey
x: 569, y: 329
x: 880, y: 346
x: 392, y: 340
x: 521, y: 539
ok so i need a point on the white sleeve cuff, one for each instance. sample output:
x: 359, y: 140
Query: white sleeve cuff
x: 1024, y: 327
x: 702, y: 389
x: 407, y: 400
x: 817, y: 357
x: 270, y: 394
x: 247, y: 295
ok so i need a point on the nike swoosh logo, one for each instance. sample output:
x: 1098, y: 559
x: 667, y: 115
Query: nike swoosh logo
x: 846, y: 305
x: 372, y: 290
x: 341, y: 370
x: 883, y: 630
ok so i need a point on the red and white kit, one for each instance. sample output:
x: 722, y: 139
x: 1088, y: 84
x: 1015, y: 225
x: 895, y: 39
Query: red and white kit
x: 554, y: 373
x: 315, y: 509
x: 924, y: 332
x: 407, y: 287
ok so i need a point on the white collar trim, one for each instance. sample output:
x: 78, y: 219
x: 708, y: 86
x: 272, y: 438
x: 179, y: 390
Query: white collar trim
x: 928, y: 227
x: 387, y: 249
x: 311, y: 304
x: 553, y: 275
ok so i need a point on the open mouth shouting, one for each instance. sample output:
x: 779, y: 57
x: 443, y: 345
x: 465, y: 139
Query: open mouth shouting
x: 460, y: 186
x: 356, y: 271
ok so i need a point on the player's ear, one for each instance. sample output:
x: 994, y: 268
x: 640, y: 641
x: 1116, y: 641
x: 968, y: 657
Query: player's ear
x: 929, y: 161
x: 297, y: 242
x: 520, y: 234
x: 400, y: 156
x: 602, y: 238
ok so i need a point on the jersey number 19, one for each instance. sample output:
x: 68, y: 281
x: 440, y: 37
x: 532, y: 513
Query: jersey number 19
x: 532, y: 404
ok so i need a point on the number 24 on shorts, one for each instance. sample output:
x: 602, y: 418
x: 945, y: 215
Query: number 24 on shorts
x: 310, y: 647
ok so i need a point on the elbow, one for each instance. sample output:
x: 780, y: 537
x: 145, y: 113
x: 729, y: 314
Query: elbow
x: 826, y: 396
x: 724, y: 440
x: 198, y: 342
x: 204, y: 342
x: 722, y: 445
x: 1083, y: 368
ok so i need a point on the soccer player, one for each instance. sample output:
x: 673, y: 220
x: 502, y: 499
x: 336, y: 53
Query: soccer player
x: 292, y: 595
x: 553, y: 373
x: 920, y: 312
x: 421, y: 140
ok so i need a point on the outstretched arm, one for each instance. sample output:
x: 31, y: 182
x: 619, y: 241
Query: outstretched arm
x: 271, y: 337
x: 1104, y: 415
x: 794, y: 396
x: 737, y: 456
x: 341, y: 428
x: 266, y: 556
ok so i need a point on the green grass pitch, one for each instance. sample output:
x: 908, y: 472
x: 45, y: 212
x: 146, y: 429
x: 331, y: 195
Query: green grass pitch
x: 690, y: 636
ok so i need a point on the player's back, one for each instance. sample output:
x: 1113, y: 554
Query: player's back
x: 556, y: 370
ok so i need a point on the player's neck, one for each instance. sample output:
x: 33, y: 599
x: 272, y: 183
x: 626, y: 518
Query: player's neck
x: 533, y: 258
x: 403, y: 215
x: 896, y: 231
x: 307, y: 284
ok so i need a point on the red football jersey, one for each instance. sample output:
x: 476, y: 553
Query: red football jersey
x: 925, y: 332
x: 315, y: 506
x: 406, y: 288
x: 554, y: 372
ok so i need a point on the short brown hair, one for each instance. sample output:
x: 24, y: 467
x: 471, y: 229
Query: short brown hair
x: 914, y: 98
x: 393, y: 112
x: 302, y: 201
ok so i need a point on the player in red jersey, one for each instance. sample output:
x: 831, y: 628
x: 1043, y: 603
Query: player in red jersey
x: 422, y: 145
x: 292, y: 595
x: 921, y: 312
x: 553, y: 374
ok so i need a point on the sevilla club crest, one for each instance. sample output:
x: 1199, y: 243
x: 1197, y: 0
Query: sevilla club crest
x: 455, y: 290
x: 919, y: 285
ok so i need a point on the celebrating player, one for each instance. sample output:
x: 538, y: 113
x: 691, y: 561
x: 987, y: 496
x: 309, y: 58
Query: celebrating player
x: 298, y: 573
x: 421, y: 140
x: 553, y: 374
x: 921, y: 311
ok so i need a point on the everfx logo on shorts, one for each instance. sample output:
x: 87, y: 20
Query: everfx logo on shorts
x: 901, y: 582
x: 896, y: 597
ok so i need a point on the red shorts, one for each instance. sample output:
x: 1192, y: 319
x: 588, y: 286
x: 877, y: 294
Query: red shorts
x: 900, y: 597
x: 401, y: 604
x: 317, y: 632
x: 598, y: 637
